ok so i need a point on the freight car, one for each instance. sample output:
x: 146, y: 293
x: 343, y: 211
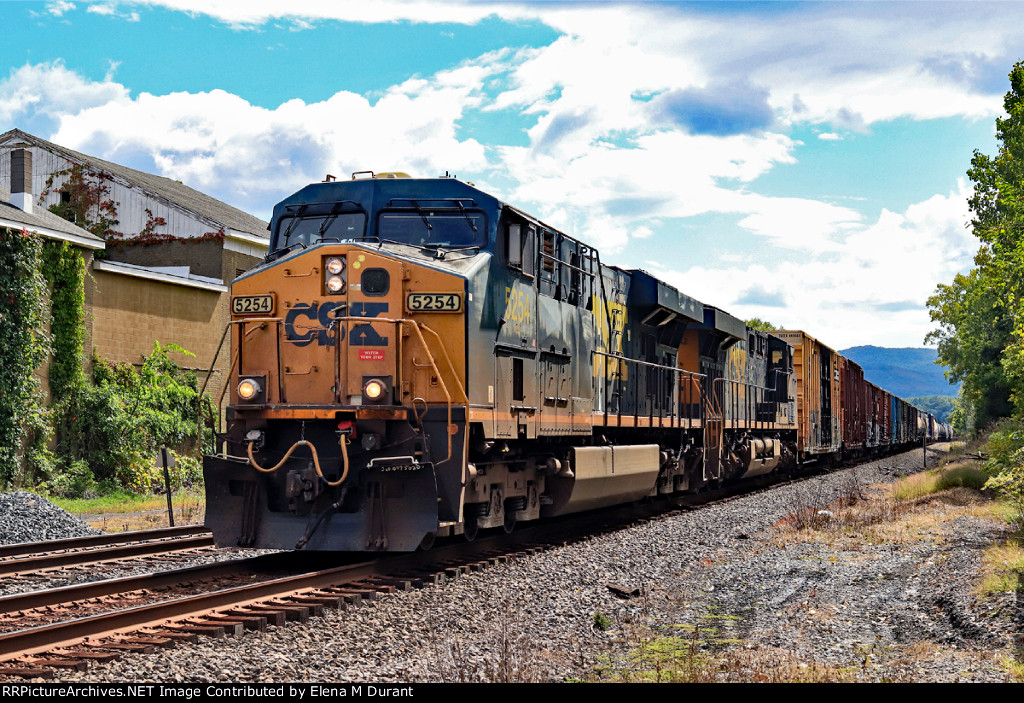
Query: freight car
x: 416, y: 358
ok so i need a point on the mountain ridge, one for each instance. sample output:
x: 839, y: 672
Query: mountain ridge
x: 904, y: 371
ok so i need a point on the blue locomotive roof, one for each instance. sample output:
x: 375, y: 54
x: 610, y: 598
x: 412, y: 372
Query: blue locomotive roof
x: 376, y: 193
x: 444, y: 211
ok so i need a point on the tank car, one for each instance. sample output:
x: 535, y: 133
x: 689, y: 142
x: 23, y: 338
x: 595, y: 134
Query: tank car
x: 416, y: 358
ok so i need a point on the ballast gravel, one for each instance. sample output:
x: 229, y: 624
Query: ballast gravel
x: 26, y: 517
x: 721, y: 579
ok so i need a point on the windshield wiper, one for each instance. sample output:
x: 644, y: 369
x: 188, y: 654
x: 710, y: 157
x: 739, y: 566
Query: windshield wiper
x: 291, y: 225
x: 381, y: 241
x: 465, y: 214
x: 422, y: 214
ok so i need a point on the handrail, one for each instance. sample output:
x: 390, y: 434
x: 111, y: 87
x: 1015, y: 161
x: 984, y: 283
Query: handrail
x: 679, y: 374
x: 418, y: 327
x: 747, y: 384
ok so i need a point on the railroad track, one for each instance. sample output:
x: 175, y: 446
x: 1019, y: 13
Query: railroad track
x: 34, y: 557
x: 137, y: 614
x: 67, y: 627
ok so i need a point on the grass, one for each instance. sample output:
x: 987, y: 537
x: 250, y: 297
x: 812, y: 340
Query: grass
x: 1015, y: 666
x: 929, y: 482
x: 699, y: 655
x: 122, y: 511
x: 1003, y: 569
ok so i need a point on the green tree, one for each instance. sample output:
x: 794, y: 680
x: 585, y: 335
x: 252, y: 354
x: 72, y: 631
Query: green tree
x: 981, y: 329
x: 758, y: 324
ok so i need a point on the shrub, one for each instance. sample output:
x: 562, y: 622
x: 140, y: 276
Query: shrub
x: 117, y: 423
x: 1006, y: 464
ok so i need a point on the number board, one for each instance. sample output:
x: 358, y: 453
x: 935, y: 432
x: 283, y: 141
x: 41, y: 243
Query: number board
x: 434, y: 302
x: 252, y: 304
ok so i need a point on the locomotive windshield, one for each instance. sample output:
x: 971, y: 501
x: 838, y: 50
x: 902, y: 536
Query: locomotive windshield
x: 434, y: 228
x: 313, y: 229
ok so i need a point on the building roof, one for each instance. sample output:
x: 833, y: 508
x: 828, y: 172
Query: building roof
x: 177, y: 275
x: 44, y: 222
x: 158, y: 186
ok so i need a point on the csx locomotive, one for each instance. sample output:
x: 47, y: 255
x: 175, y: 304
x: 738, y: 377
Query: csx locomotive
x: 416, y: 358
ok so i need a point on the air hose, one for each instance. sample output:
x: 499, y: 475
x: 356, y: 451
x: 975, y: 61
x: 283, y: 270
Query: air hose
x: 343, y: 442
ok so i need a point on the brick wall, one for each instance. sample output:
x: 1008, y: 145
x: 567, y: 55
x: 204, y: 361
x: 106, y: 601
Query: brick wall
x: 130, y: 313
x: 204, y: 258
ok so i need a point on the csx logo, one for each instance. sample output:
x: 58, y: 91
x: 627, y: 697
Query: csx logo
x: 324, y: 330
x: 517, y: 305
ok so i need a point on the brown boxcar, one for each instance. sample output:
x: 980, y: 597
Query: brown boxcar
x: 819, y: 394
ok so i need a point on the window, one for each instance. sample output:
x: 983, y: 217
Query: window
x: 313, y: 229
x: 375, y: 281
x: 521, y: 248
x: 433, y: 228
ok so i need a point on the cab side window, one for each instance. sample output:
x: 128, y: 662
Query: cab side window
x: 521, y: 248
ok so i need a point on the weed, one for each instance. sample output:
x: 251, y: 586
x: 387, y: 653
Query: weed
x: 1015, y: 666
x: 132, y: 511
x: 928, y: 482
x: 601, y: 621
x: 1003, y: 569
x: 503, y: 655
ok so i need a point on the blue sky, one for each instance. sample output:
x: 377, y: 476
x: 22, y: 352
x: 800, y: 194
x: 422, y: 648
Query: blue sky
x: 800, y: 162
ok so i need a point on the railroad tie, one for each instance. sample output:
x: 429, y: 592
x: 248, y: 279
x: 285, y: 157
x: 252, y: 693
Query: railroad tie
x: 273, y: 616
x: 292, y: 611
x: 190, y: 637
x: 101, y: 657
x: 76, y: 664
x: 27, y: 672
x: 250, y: 621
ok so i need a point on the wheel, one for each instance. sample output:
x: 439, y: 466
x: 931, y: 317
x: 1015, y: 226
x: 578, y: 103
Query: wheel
x: 510, y: 521
x: 427, y: 542
x: 470, y: 528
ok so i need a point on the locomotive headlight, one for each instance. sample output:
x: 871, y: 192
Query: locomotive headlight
x: 248, y: 389
x: 335, y: 284
x: 374, y: 389
x: 335, y: 265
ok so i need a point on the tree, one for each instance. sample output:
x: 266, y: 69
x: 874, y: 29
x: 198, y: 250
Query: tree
x: 758, y: 324
x: 981, y: 326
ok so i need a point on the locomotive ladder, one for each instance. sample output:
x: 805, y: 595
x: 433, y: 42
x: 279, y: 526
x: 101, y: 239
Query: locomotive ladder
x: 713, y: 431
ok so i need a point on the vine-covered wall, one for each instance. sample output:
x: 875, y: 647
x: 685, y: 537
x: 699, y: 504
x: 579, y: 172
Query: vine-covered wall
x: 23, y: 347
x: 64, y: 268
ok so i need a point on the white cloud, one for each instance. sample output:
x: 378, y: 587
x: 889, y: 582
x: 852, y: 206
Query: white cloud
x: 253, y: 13
x: 249, y: 155
x: 59, y: 7
x: 612, y: 147
x: 49, y: 91
x: 872, y: 285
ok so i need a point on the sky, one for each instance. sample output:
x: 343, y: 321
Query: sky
x: 804, y: 163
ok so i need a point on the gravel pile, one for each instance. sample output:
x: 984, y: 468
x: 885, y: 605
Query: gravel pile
x: 892, y: 611
x: 26, y: 517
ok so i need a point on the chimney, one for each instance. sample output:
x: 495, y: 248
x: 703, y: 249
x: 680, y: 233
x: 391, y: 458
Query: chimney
x: 21, y: 179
